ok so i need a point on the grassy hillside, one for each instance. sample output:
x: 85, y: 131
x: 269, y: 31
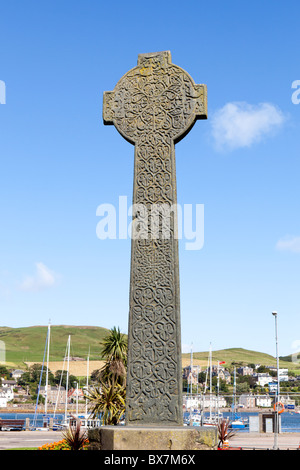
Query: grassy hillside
x: 241, y: 356
x: 28, y: 344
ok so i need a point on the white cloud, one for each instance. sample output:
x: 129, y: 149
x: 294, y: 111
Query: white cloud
x: 43, y: 279
x: 289, y: 244
x: 240, y: 124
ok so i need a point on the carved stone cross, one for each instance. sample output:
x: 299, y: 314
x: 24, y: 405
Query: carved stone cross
x: 153, y: 106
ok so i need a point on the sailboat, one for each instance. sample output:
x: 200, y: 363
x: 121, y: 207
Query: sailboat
x: 72, y: 419
x: 86, y: 421
x: 67, y: 417
x: 214, y: 418
x: 236, y: 422
x: 46, y: 417
x: 194, y: 417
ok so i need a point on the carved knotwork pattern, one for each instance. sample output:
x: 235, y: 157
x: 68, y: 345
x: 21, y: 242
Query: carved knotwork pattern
x: 153, y: 367
x: 152, y: 106
x: 156, y: 96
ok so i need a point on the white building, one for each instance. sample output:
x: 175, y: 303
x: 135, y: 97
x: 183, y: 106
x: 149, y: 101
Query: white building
x: 3, y: 400
x: 6, y: 394
x: 7, y: 391
x: 8, y: 383
x: 283, y: 374
x: 263, y: 379
x: 191, y: 402
x: 205, y: 401
x: 213, y: 401
x: 263, y: 401
x: 17, y: 374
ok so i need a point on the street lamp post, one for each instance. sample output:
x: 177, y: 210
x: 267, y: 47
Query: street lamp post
x: 276, y: 430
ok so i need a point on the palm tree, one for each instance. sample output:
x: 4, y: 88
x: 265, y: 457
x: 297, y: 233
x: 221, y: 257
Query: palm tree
x: 114, y: 351
x: 108, y: 399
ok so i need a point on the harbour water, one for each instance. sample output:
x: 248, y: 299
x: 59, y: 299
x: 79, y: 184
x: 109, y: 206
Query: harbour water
x: 290, y: 421
x: 34, y: 420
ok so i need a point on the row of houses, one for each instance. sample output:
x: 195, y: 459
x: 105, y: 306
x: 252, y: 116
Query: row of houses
x: 248, y: 401
x: 203, y: 402
x: 191, y: 374
x: 283, y: 374
x: 10, y: 390
x: 263, y: 401
x: 57, y: 394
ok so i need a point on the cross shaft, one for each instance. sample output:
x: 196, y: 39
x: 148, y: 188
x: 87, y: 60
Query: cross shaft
x: 153, y: 106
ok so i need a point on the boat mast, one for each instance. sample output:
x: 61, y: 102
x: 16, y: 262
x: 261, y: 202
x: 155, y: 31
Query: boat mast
x: 191, y: 375
x: 67, y: 379
x: 218, y: 390
x: 46, y: 385
x: 191, y: 383
x: 210, y: 380
x: 60, y: 382
x: 234, y: 391
x: 40, y: 382
x: 87, y: 381
x: 206, y: 376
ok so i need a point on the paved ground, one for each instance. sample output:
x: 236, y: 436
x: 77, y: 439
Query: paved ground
x: 286, y: 441
x: 17, y: 439
x: 21, y: 439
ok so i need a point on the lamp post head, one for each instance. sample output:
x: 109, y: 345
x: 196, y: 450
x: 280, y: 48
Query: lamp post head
x: 274, y: 313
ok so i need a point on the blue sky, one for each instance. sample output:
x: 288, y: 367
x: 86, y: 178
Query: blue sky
x: 59, y: 163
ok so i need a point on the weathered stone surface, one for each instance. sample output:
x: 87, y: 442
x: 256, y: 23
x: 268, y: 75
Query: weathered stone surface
x: 152, y: 438
x: 153, y: 106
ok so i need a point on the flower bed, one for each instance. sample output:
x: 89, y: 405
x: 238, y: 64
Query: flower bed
x: 61, y: 445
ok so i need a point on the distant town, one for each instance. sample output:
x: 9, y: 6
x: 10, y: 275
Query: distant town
x: 19, y: 388
x: 252, y: 386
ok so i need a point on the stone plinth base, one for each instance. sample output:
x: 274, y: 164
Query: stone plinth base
x: 152, y: 438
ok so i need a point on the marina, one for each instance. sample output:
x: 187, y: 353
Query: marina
x: 290, y: 420
x: 252, y: 427
x: 56, y: 421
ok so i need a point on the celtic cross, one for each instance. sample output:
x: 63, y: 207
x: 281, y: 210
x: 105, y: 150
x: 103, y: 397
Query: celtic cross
x: 153, y: 106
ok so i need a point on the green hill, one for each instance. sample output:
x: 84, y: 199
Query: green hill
x: 240, y: 356
x: 28, y: 344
